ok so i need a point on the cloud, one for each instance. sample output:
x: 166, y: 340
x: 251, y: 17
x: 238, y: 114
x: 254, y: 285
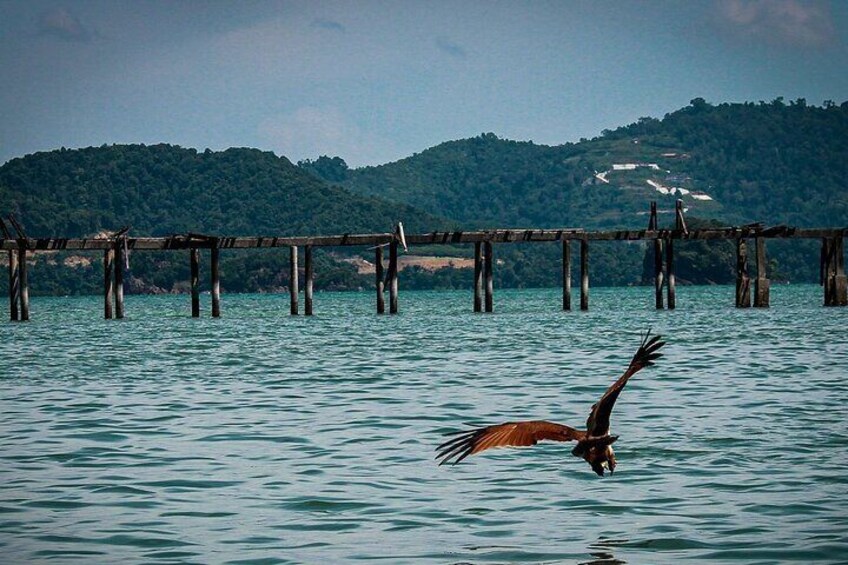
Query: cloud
x: 451, y: 48
x: 804, y: 23
x: 64, y: 25
x: 330, y: 25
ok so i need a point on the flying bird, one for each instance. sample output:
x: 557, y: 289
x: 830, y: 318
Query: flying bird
x: 594, y: 444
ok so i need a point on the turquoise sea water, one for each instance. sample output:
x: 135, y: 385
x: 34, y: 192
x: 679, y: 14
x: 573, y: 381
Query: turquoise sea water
x: 262, y: 438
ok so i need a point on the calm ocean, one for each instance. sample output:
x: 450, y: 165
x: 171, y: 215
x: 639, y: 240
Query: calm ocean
x: 262, y: 438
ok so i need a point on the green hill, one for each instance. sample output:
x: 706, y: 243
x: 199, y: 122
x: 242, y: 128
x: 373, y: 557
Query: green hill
x: 163, y: 189
x: 736, y: 163
x: 729, y: 163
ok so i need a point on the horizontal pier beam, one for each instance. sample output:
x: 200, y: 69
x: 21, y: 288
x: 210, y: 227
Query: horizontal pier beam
x: 433, y: 238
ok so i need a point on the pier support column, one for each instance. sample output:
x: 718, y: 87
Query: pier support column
x: 584, y: 274
x: 488, y: 266
x: 478, y: 276
x: 743, y: 281
x: 658, y: 259
x: 566, y: 275
x: 380, y: 280
x: 761, y: 283
x: 14, y: 287
x: 393, y: 277
x: 308, y: 273
x: 669, y: 267
x: 195, y: 282
x: 293, y: 282
x: 215, y: 260
x: 120, y: 260
x: 840, y: 280
x: 824, y: 272
x: 24, y: 281
x: 658, y: 274
x: 108, y: 290
x: 833, y: 272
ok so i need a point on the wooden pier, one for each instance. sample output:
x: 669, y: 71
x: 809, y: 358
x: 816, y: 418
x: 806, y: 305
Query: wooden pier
x: 117, y: 246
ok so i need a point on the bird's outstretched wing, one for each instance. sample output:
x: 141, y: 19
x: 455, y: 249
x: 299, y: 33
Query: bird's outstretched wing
x: 513, y: 434
x: 598, y: 423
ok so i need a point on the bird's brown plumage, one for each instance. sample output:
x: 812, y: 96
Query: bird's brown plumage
x: 594, y: 444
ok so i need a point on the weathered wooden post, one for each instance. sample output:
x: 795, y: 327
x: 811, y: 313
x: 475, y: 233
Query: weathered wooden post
x: 488, y: 265
x: 393, y: 277
x: 680, y: 228
x: 680, y: 220
x: 659, y: 277
x: 293, y: 282
x: 671, y: 288
x: 478, y: 276
x: 195, y: 282
x: 380, y: 282
x: 307, y: 290
x: 120, y: 259
x: 833, y: 272
x: 566, y: 275
x: 108, y: 291
x: 584, y: 274
x: 658, y: 259
x: 214, y: 265
x: 743, y: 281
x: 840, y: 280
x: 761, y: 283
x: 14, y: 288
x: 23, y: 280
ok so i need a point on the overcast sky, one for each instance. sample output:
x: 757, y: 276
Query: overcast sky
x: 374, y: 81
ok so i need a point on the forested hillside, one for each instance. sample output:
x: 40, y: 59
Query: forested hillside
x: 770, y: 162
x: 164, y: 189
x: 729, y: 163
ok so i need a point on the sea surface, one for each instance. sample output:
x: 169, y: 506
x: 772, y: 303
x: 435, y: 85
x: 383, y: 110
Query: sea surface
x: 265, y: 438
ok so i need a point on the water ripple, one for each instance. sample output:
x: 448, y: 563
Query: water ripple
x: 259, y: 438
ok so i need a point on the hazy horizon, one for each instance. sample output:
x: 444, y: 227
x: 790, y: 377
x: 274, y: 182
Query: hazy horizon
x: 373, y: 82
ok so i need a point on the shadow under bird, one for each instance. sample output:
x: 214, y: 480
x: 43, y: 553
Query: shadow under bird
x: 594, y: 444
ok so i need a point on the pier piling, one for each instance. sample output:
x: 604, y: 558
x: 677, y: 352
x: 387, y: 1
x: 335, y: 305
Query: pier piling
x: 120, y: 259
x: 658, y: 259
x: 566, y: 275
x: 671, y: 283
x: 478, y: 276
x: 195, y: 282
x: 761, y: 283
x: 584, y: 274
x: 307, y: 289
x: 108, y: 291
x: 488, y: 266
x: 833, y: 272
x: 393, y: 277
x: 380, y: 282
x: 22, y: 277
x: 23, y: 281
x: 216, y: 278
x: 293, y: 282
x: 14, y: 288
x: 743, y: 281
